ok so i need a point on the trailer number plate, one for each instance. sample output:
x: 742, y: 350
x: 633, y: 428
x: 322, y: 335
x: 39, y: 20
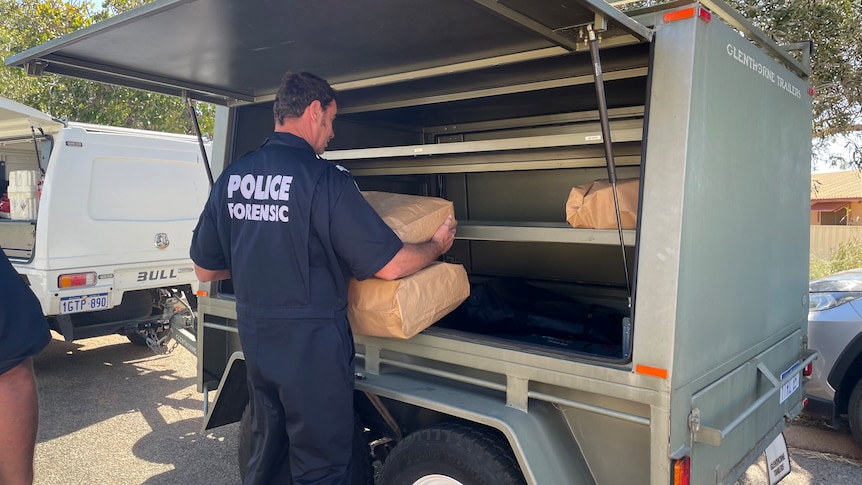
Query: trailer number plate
x: 793, y: 384
x: 84, y: 303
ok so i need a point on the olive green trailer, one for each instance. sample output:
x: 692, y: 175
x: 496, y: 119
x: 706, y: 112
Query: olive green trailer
x: 668, y: 352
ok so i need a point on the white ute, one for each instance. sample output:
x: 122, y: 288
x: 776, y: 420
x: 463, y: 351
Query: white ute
x: 99, y: 223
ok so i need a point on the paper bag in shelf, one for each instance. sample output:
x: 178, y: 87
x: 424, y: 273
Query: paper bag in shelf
x: 592, y: 205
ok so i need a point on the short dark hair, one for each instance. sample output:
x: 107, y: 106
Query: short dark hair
x: 297, y: 91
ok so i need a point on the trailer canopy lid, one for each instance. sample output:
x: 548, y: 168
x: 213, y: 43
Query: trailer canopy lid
x: 235, y: 51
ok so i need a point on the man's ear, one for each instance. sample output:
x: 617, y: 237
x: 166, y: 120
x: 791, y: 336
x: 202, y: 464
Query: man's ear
x: 316, y: 110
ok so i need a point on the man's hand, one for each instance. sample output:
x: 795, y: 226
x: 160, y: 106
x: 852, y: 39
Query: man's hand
x: 413, y: 257
x: 444, y: 236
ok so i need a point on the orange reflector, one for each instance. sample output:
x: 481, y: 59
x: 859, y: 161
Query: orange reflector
x: 682, y: 471
x: 76, y: 280
x: 685, y: 13
x: 651, y: 371
x: 202, y: 293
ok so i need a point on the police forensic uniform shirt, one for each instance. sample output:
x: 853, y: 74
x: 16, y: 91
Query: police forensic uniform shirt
x: 23, y: 330
x: 291, y: 228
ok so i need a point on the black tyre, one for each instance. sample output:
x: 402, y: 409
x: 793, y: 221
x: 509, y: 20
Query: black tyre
x: 452, y: 454
x: 138, y: 339
x: 361, y: 468
x: 854, y: 412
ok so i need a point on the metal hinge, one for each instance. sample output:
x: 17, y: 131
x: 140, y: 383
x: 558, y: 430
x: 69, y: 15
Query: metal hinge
x: 702, y: 434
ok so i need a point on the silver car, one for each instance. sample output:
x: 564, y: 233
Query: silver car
x: 835, y: 331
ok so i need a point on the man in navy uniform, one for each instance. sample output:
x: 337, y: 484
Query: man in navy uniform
x: 23, y: 333
x: 290, y: 229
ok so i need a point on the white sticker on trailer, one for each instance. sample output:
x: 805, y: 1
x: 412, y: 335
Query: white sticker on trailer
x: 777, y: 460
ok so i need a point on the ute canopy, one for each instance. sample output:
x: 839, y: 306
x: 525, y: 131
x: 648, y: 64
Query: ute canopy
x: 20, y: 121
x: 235, y: 51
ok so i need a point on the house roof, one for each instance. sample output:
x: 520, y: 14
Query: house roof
x: 836, y: 185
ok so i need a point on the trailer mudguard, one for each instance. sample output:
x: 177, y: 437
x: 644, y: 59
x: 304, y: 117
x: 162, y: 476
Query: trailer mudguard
x: 541, y: 441
x: 234, y: 387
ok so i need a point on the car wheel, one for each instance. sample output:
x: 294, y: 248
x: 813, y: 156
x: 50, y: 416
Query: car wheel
x: 854, y: 412
x: 452, y: 454
x: 361, y: 467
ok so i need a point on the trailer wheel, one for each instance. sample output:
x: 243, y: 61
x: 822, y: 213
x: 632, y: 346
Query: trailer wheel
x: 361, y: 467
x: 452, y: 454
x: 854, y: 412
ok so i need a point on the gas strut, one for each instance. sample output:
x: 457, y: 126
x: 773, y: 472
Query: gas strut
x: 193, y: 114
x: 609, y: 150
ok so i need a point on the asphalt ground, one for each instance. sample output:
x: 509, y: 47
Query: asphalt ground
x: 112, y: 413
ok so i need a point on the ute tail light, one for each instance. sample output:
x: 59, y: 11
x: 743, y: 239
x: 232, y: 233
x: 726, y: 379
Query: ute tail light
x: 682, y: 471
x: 76, y: 280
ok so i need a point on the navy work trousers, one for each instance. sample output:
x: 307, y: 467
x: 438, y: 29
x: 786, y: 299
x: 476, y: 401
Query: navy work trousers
x: 301, y: 376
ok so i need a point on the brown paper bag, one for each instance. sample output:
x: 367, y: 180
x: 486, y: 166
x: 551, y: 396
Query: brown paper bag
x: 592, y: 205
x: 413, y: 218
x: 404, y: 307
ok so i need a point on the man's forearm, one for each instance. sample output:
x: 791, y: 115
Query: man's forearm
x: 205, y: 275
x: 410, y: 259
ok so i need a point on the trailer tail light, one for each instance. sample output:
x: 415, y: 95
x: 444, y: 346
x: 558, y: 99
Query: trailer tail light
x: 682, y: 471
x: 76, y: 280
x: 808, y: 370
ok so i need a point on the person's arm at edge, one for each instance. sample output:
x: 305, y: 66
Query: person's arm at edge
x: 204, y: 275
x: 413, y: 257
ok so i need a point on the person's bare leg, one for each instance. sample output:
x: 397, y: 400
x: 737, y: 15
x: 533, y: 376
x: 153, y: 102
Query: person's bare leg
x: 19, y: 417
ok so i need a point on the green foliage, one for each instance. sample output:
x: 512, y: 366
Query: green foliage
x: 28, y: 23
x: 847, y: 256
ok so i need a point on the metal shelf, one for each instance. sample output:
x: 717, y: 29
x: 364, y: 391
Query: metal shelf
x: 624, y: 131
x: 540, y: 232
